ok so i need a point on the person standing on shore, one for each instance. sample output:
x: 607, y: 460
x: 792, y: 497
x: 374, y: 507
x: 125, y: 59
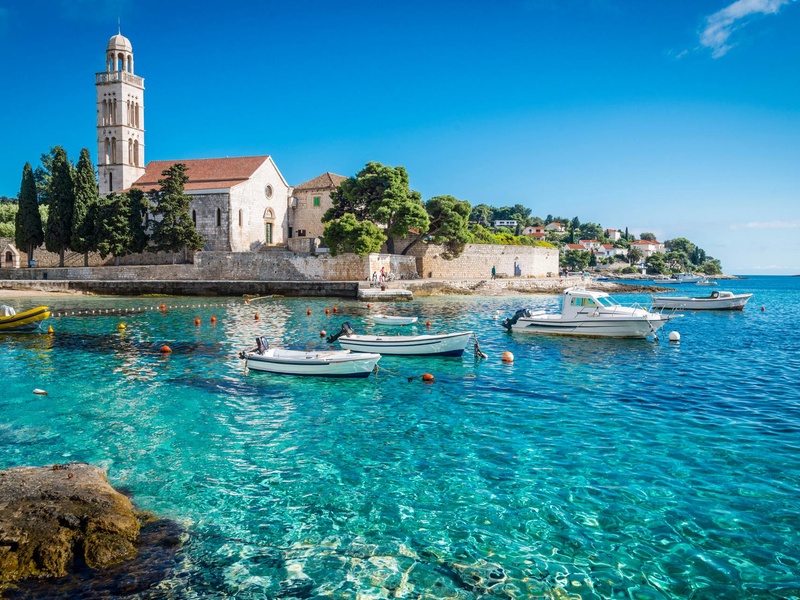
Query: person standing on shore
x: 494, y: 272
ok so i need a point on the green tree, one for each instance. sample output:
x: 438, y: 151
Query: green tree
x: 173, y: 228
x: 381, y: 194
x: 482, y: 215
x: 8, y: 217
x: 43, y: 174
x: 347, y: 234
x: 647, y: 236
x: 28, y: 233
x: 655, y: 264
x: 634, y: 256
x: 83, y: 222
x: 576, y: 260
x: 61, y: 195
x: 112, y: 226
x: 139, y: 205
x: 711, y: 267
x: 449, y: 223
x: 591, y: 231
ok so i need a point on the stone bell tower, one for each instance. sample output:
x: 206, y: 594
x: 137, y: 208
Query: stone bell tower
x: 120, y: 119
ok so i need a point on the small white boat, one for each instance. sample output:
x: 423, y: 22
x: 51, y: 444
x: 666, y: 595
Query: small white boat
x: 706, y: 282
x: 689, y: 278
x: 663, y: 279
x: 443, y: 344
x: 589, y: 313
x: 393, y: 320
x: 318, y: 363
x: 715, y: 301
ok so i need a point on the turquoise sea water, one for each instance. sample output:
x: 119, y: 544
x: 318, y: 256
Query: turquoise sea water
x: 586, y: 469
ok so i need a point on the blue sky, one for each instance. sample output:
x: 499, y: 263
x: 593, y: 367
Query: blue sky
x: 678, y: 118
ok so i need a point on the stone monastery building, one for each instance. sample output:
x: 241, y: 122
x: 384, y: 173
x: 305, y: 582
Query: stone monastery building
x: 239, y: 204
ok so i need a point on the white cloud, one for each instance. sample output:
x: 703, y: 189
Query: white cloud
x: 723, y: 23
x: 768, y: 225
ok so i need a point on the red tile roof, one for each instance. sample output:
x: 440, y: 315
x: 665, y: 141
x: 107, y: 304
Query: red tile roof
x: 204, y: 173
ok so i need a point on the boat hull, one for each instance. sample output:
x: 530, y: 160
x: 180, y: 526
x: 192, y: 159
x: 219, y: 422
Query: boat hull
x: 452, y: 344
x: 393, y: 320
x: 27, y: 320
x: 736, y: 302
x: 322, y: 364
x: 618, y: 327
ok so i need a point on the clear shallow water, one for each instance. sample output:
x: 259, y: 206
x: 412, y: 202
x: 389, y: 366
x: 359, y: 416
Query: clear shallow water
x: 587, y: 469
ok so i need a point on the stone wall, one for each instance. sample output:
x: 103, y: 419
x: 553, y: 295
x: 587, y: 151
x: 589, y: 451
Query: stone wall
x: 477, y: 260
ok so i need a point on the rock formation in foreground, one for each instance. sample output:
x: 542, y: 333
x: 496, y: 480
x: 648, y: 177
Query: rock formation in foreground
x: 59, y: 518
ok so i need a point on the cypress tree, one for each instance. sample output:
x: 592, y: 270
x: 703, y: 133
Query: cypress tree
x: 112, y: 222
x: 86, y: 194
x: 62, y: 198
x: 174, y: 230
x: 28, y: 233
x: 139, y: 206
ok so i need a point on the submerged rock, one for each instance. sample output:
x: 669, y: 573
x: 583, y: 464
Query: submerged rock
x: 54, y: 520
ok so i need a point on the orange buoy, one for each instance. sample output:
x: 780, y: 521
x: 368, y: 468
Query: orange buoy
x: 335, y: 309
x: 50, y: 329
x: 369, y: 305
x: 165, y: 349
x: 197, y: 321
x: 308, y: 311
x: 323, y: 333
x: 162, y: 307
x: 213, y: 319
x: 121, y: 326
x: 427, y: 378
x: 255, y: 316
x: 507, y: 357
x: 427, y: 324
x: 327, y: 311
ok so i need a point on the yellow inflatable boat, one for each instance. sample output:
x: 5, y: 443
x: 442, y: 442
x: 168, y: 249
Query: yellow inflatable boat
x: 27, y: 320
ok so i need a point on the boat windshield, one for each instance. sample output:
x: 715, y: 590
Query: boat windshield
x: 607, y: 302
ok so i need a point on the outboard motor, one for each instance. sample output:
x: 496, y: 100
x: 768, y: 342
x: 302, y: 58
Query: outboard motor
x: 261, y: 344
x: 523, y: 312
x: 346, y: 330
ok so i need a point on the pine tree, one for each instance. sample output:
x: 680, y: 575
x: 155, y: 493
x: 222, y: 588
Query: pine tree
x: 28, y: 233
x: 86, y: 194
x: 112, y: 226
x: 62, y: 198
x: 173, y: 228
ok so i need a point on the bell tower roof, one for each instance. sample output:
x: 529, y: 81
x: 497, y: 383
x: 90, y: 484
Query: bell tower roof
x: 119, y: 42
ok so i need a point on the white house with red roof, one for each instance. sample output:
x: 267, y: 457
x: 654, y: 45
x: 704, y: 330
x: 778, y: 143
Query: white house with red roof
x: 555, y: 226
x: 647, y: 247
x: 613, y: 234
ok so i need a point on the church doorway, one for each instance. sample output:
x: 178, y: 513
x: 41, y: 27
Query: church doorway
x: 269, y: 222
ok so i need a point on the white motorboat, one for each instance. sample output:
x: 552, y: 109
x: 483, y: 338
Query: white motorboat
x: 689, y: 278
x: 393, y: 320
x: 589, y: 313
x: 715, y: 301
x: 443, y: 344
x: 319, y: 363
x: 664, y: 279
x: 706, y: 282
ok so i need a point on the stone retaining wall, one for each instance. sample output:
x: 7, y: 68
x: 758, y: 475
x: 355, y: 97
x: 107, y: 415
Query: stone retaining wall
x: 477, y: 260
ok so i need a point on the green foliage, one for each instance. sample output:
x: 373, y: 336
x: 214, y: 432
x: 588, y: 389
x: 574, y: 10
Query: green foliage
x: 629, y: 270
x: 86, y: 195
x: 28, y: 233
x: 449, y: 224
x: 173, y: 228
x: 650, y: 237
x: 111, y: 225
x: 481, y: 235
x: 656, y: 264
x: 381, y: 194
x: 482, y: 215
x: 634, y: 255
x: 711, y: 267
x: 576, y: 260
x: 591, y: 231
x: 139, y: 205
x: 347, y: 234
x: 43, y: 174
x: 61, y: 195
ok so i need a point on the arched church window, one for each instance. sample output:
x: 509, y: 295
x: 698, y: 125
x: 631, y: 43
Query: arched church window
x: 130, y: 151
x: 136, y: 116
x: 136, y: 153
x: 114, y: 112
x: 219, y: 217
x: 113, y: 150
x: 120, y: 62
x: 108, y: 151
x: 194, y: 218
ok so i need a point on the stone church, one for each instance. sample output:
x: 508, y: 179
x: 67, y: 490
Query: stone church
x: 239, y: 204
